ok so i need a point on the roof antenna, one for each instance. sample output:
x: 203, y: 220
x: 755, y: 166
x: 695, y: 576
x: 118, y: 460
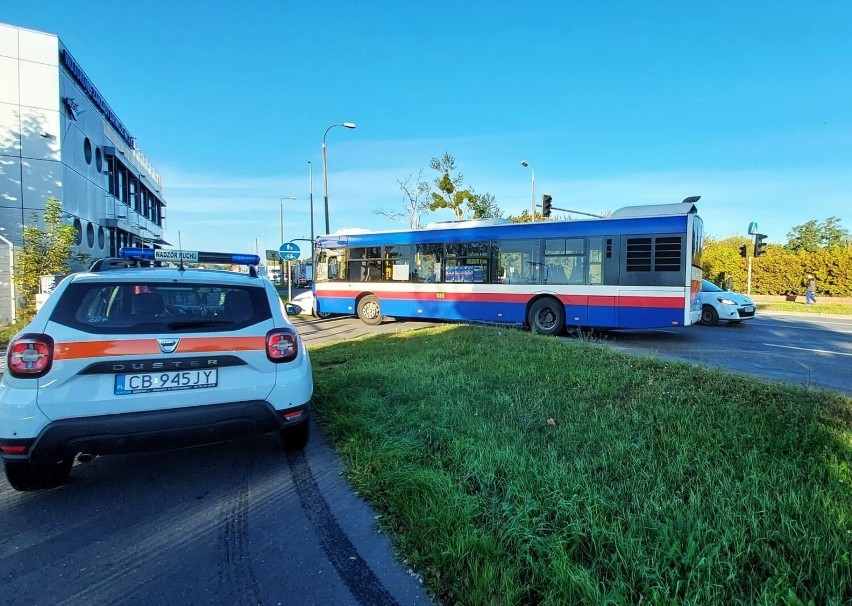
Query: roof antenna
x: 180, y: 254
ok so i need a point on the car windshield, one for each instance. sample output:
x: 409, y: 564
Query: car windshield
x: 708, y: 286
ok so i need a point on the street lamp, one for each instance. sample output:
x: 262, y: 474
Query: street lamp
x: 311, y: 190
x: 325, y: 167
x: 524, y: 163
x: 280, y: 260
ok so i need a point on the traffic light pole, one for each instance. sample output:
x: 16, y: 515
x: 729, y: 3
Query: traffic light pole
x: 748, y: 290
x: 750, y: 257
x: 575, y: 212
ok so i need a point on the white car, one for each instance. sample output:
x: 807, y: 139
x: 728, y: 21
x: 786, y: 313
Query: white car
x: 125, y: 358
x: 306, y: 302
x: 718, y: 304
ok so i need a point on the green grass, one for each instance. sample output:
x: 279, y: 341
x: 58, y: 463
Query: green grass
x: 516, y: 469
x: 819, y: 308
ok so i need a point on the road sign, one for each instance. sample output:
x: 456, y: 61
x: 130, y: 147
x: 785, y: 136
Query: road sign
x: 289, y: 252
x: 272, y: 255
x: 752, y: 228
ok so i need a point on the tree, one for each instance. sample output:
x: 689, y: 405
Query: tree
x: 524, y: 217
x: 484, y: 206
x: 415, y: 200
x: 833, y: 235
x: 804, y: 237
x: 44, y: 253
x: 812, y: 235
x: 449, y: 192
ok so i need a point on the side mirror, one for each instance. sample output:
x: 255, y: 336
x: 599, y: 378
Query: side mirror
x: 292, y: 310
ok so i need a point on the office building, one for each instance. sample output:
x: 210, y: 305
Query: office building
x: 60, y: 138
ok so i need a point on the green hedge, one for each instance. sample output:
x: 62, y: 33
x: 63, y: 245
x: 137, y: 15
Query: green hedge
x: 779, y: 271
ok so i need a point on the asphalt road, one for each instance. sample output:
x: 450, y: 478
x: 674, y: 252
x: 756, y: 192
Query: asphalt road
x: 234, y: 523
x: 806, y: 350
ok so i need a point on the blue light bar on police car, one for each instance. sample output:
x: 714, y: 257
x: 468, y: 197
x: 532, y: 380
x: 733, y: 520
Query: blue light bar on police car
x: 187, y: 256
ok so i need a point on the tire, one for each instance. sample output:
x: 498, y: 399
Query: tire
x: 370, y: 311
x: 295, y: 437
x: 322, y: 315
x: 709, y: 316
x: 24, y: 476
x: 546, y: 317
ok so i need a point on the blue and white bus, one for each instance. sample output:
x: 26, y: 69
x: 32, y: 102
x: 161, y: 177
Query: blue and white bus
x: 637, y: 268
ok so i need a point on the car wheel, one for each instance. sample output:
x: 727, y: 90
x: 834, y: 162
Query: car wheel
x: 547, y: 317
x: 709, y: 316
x: 23, y: 475
x: 370, y: 311
x: 322, y: 315
x: 295, y: 437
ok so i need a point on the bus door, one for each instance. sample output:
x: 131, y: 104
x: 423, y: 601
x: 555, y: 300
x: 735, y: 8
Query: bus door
x: 603, y: 270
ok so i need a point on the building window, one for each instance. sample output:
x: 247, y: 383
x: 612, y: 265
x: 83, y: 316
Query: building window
x: 90, y: 235
x: 78, y: 227
x: 87, y: 150
x: 99, y: 160
x: 109, y: 176
x: 101, y: 238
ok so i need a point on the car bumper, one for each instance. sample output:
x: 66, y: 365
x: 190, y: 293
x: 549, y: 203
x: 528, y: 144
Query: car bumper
x: 152, y: 430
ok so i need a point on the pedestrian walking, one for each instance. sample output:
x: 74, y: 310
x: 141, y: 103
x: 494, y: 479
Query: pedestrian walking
x: 811, y: 289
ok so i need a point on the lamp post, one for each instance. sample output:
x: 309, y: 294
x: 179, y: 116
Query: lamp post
x: 325, y: 167
x: 524, y: 163
x: 280, y: 260
x: 311, y: 190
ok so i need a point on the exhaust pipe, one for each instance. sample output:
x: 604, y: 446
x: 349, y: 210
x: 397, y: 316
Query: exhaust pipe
x: 85, y: 457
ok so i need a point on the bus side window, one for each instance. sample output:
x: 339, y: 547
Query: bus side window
x: 427, y: 262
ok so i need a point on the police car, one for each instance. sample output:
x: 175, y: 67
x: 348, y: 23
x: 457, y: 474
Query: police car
x: 126, y: 358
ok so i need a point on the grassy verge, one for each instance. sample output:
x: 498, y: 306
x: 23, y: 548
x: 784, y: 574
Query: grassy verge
x: 515, y: 469
x: 819, y: 308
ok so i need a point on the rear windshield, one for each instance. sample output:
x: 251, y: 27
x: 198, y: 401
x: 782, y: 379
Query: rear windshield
x: 122, y: 307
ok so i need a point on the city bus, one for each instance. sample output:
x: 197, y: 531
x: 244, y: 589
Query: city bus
x: 638, y: 268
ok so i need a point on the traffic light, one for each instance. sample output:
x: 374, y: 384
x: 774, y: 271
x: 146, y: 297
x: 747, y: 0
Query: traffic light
x: 546, y: 205
x: 759, y: 244
x: 744, y: 251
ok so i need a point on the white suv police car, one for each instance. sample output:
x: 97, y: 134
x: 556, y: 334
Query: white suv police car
x: 125, y: 358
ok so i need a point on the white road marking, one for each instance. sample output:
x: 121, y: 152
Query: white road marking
x: 825, y: 351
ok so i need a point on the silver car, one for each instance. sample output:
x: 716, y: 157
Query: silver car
x: 718, y: 304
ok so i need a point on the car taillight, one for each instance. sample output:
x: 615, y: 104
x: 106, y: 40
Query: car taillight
x: 282, y: 345
x: 30, y: 356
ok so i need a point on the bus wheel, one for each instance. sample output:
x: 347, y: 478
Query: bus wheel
x: 370, y: 311
x: 546, y: 317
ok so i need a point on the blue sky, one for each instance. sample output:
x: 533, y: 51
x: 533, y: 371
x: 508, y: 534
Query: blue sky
x: 616, y: 103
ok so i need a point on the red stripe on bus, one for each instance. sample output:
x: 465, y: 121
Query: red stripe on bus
x: 592, y: 300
